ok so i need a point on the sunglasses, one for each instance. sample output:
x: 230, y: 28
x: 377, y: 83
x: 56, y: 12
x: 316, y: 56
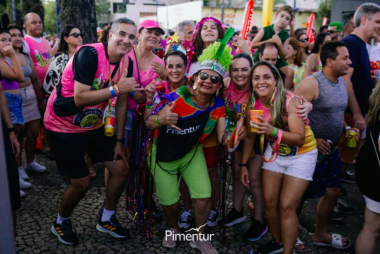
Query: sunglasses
x: 304, y: 39
x: 331, y: 31
x: 214, y: 79
x: 76, y: 35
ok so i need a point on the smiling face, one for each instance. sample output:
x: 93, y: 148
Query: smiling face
x: 16, y: 38
x: 263, y: 81
x: 239, y: 72
x: 206, y: 86
x: 283, y: 19
x: 5, y: 40
x: 342, y: 62
x: 149, y: 38
x: 209, y: 32
x: 121, y: 40
x: 175, y: 68
x: 372, y: 26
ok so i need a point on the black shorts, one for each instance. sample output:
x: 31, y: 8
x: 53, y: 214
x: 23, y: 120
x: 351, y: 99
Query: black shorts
x: 12, y: 172
x: 69, y: 150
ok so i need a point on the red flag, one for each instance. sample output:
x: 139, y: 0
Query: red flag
x: 310, y: 24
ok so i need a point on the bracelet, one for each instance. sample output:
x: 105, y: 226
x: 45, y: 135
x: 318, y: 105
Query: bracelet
x: 159, y: 125
x: 12, y: 129
x: 150, y: 103
x: 120, y: 140
x: 243, y: 164
x: 274, y: 132
x: 117, y: 89
x: 112, y: 91
x: 147, y: 106
x: 131, y: 94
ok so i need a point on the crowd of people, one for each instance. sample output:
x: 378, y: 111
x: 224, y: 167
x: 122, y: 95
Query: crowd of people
x: 291, y: 116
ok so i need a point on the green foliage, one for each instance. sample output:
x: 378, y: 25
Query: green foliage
x: 50, y: 22
x: 99, y: 11
x: 324, y: 10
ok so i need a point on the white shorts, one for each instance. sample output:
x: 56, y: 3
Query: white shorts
x: 301, y: 166
x: 372, y: 205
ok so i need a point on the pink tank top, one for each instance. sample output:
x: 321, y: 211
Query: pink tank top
x: 41, y: 55
x: 90, y: 117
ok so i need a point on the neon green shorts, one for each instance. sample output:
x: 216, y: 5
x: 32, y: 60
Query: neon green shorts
x: 166, y: 176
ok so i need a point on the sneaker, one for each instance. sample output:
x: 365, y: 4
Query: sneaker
x: 65, y: 232
x: 34, y: 166
x: 112, y: 227
x: 185, y: 219
x: 270, y: 247
x: 349, y: 178
x: 22, y: 174
x: 204, y: 246
x: 344, y: 207
x: 50, y: 154
x: 255, y: 231
x: 22, y: 194
x: 212, y: 220
x: 24, y: 184
x: 234, y: 217
x: 336, y: 214
x: 169, y: 239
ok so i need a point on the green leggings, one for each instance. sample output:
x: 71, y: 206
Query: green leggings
x: 195, y: 175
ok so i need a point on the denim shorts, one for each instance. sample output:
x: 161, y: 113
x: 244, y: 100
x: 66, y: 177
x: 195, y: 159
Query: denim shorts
x: 129, y: 126
x: 15, y: 107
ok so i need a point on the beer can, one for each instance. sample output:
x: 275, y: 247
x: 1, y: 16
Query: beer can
x: 351, y: 139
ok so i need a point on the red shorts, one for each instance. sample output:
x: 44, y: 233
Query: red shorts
x: 212, y: 156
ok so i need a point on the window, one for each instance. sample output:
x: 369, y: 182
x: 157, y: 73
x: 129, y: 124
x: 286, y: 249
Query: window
x: 119, y: 8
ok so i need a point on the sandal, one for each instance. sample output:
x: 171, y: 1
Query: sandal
x: 336, y: 242
x: 300, y: 243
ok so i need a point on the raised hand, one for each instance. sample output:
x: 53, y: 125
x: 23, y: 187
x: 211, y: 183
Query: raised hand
x: 128, y: 85
x: 150, y: 90
x: 167, y: 117
x: 159, y: 69
x: 8, y: 51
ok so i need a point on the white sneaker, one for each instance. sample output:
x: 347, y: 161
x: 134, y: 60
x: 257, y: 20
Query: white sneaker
x: 34, y: 166
x: 22, y: 194
x: 24, y: 184
x: 22, y: 173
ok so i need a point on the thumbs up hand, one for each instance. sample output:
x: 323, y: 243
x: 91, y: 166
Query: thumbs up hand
x: 128, y: 85
x: 167, y: 117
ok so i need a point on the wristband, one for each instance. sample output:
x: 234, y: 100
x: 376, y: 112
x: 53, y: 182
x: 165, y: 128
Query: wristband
x: 150, y: 103
x: 147, y: 106
x: 112, y: 91
x: 117, y: 89
x: 131, y: 94
x: 243, y: 164
x: 159, y: 125
x: 120, y: 140
x: 274, y: 132
x: 12, y: 129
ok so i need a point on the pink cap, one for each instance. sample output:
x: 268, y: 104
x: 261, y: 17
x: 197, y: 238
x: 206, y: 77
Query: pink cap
x: 148, y: 23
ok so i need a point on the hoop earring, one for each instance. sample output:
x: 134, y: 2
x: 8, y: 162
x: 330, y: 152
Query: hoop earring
x: 274, y: 95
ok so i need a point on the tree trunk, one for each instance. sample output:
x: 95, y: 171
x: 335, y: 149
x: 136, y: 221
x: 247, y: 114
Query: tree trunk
x: 80, y: 13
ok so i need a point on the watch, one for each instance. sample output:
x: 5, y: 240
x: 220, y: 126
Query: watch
x: 12, y: 129
x: 243, y: 164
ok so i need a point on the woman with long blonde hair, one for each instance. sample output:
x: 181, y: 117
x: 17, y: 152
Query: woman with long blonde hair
x: 289, y: 159
x: 367, y: 170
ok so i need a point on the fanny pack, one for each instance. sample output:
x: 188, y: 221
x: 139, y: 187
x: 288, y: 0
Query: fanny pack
x: 65, y: 106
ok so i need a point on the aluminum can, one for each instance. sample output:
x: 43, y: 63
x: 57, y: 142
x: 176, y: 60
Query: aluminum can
x: 351, y: 139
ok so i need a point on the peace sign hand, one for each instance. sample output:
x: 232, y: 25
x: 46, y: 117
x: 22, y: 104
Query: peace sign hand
x: 167, y: 117
x: 264, y: 127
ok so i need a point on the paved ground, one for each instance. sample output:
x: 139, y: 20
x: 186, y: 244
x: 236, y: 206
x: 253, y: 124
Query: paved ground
x: 39, y: 209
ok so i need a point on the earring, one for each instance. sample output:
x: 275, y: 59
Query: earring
x: 195, y: 86
x: 274, y: 95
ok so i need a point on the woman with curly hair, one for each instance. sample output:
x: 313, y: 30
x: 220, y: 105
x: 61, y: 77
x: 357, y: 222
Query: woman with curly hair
x: 294, y: 58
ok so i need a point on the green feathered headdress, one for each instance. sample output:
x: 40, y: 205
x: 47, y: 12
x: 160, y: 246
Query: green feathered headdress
x: 217, y: 56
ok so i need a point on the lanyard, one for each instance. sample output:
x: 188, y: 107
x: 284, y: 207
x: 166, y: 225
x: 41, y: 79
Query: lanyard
x: 275, y: 147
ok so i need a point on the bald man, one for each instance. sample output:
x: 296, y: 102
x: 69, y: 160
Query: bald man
x: 39, y: 48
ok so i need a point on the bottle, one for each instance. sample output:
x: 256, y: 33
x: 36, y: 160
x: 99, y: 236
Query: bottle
x: 109, y: 121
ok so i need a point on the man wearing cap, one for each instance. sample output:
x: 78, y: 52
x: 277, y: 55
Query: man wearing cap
x: 335, y: 29
x: 96, y: 74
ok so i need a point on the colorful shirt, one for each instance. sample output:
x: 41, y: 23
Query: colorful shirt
x: 238, y: 99
x: 41, y: 54
x: 298, y: 73
x: 89, y: 118
x: 310, y: 142
x: 185, y: 107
